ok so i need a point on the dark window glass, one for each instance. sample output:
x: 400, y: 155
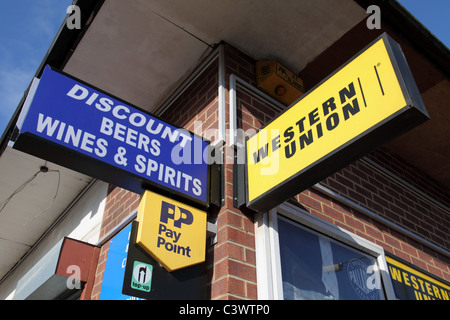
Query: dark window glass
x: 316, y: 267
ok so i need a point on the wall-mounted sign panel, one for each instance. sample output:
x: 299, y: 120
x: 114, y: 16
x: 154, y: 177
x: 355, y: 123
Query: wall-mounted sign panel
x: 368, y: 101
x: 115, y: 267
x: 171, y: 232
x: 146, y: 278
x: 68, y: 122
x: 412, y: 284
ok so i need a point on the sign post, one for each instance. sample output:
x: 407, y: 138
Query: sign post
x: 368, y: 101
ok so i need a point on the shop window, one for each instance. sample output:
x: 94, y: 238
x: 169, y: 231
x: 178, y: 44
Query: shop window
x: 316, y: 267
x: 301, y: 257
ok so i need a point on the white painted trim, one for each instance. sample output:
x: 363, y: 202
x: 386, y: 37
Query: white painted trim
x: 27, y: 103
x: 263, y: 260
x: 277, y: 278
x: 385, y: 277
x: 232, y: 111
x: 221, y: 97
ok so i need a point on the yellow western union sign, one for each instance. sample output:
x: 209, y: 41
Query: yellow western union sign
x: 173, y: 233
x: 369, y: 100
x: 412, y: 284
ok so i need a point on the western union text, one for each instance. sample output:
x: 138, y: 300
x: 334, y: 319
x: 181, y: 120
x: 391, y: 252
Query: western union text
x: 320, y: 120
x: 423, y: 289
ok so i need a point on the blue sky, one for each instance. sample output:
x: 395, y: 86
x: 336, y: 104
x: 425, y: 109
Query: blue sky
x: 28, y: 28
x: 433, y: 14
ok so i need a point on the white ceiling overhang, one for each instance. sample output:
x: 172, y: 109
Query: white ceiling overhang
x: 31, y: 201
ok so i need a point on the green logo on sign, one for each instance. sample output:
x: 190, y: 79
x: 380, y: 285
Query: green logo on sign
x: 142, y: 276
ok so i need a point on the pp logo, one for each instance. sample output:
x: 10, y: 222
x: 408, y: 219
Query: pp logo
x: 168, y: 212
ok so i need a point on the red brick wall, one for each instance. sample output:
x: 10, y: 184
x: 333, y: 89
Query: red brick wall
x: 198, y: 103
x: 231, y: 261
x: 393, y: 200
x: 97, y: 286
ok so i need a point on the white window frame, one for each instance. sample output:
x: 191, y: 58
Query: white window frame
x: 268, y: 262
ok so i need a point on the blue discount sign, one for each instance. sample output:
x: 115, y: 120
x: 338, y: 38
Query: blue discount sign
x: 72, y: 124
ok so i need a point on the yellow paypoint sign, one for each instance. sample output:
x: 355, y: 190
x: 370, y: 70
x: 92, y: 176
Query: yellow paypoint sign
x: 368, y: 101
x: 173, y: 233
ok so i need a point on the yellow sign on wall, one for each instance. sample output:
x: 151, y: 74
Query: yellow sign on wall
x: 412, y: 284
x: 173, y: 233
x: 368, y: 101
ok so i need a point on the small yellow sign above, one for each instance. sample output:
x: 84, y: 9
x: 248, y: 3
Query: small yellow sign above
x: 365, y: 103
x: 173, y: 233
